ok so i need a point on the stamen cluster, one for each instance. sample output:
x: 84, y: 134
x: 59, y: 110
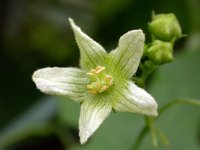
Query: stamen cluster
x: 100, y: 81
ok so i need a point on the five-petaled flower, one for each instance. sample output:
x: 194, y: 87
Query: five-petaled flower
x: 103, y: 82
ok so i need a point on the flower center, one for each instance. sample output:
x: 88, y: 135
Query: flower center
x: 100, y: 81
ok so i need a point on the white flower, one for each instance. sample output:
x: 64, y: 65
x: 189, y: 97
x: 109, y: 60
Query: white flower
x: 103, y: 82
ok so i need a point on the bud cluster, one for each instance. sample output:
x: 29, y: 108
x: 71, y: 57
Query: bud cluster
x: 165, y: 29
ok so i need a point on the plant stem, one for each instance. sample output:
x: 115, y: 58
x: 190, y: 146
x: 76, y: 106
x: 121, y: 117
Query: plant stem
x: 147, y: 69
x: 141, y: 135
x: 181, y: 101
x: 149, y: 122
x: 140, y: 138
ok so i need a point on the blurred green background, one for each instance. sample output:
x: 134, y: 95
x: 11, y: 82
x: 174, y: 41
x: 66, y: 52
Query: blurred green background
x: 36, y: 34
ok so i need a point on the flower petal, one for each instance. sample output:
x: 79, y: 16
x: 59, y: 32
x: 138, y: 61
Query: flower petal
x: 62, y: 81
x: 92, y: 54
x: 126, y: 58
x: 135, y: 99
x: 93, y: 112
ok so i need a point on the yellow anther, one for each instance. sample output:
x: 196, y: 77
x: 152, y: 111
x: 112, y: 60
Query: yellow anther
x: 104, y: 87
x: 109, y: 80
x: 91, y: 89
x: 100, y: 69
x: 100, y: 81
x: 93, y: 71
x: 89, y: 73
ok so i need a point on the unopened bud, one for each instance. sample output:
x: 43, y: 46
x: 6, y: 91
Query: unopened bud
x: 160, y: 52
x: 165, y: 27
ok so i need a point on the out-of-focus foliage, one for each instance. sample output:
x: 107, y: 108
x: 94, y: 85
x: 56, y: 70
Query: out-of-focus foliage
x: 36, y: 34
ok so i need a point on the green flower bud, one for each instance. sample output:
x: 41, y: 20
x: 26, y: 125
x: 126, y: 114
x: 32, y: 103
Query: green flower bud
x: 165, y: 27
x: 160, y: 52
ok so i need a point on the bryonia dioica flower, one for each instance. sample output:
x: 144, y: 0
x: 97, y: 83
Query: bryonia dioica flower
x: 103, y: 82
